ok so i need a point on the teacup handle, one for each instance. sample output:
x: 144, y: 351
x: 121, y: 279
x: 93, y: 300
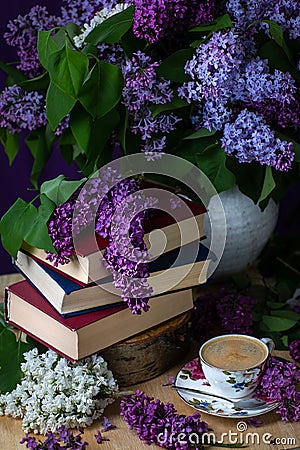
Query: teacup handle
x: 269, y: 343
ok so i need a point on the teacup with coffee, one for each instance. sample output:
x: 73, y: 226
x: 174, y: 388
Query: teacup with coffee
x: 234, y: 363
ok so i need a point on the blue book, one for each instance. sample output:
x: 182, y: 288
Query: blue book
x: 69, y: 298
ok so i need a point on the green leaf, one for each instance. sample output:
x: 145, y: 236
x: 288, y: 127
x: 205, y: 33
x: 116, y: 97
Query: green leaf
x: 172, y: 68
x: 203, y: 132
x: 38, y: 235
x: 58, y: 105
x: 102, y: 130
x: 285, y: 340
x: 175, y: 103
x: 59, y: 190
x: 15, y: 224
x: 90, y: 49
x: 213, y: 163
x: 10, y: 143
x: 131, y: 44
x: 249, y: 177
x: 278, y: 323
x: 102, y: 89
x: 68, y: 69
x: 277, y: 33
x: 277, y: 58
x: 268, y: 186
x: 34, y: 84
x: 276, y: 305
x: 16, y: 75
x: 11, y: 357
x: 40, y: 143
x: 81, y: 123
x: 112, y: 29
x: 218, y: 24
x: 46, y: 46
x: 286, y: 314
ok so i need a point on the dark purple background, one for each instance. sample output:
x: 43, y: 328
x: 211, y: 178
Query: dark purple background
x: 15, y: 180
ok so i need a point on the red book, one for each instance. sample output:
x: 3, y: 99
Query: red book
x: 79, y: 336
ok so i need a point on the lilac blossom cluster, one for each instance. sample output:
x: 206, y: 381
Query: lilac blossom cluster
x: 23, y: 32
x: 236, y: 93
x: 279, y: 383
x: 294, y: 349
x: 143, y: 89
x: 62, y: 439
x: 235, y: 313
x: 159, y: 423
x: 60, y: 231
x: 285, y: 13
x: 82, y: 11
x: 22, y: 110
x: 232, y: 311
x: 106, y: 204
x: 250, y: 138
x: 154, y: 20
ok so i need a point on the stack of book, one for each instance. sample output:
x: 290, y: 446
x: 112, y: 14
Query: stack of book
x: 63, y: 309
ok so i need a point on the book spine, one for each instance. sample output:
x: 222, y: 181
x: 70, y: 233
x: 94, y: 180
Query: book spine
x: 6, y: 304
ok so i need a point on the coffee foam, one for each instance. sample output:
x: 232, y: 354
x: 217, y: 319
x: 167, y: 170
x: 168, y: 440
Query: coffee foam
x: 234, y: 353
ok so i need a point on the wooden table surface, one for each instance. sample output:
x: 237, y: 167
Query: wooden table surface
x: 288, y: 434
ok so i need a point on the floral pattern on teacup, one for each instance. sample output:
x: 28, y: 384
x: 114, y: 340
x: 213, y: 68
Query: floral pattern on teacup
x: 193, y: 370
x: 191, y: 376
x: 241, y: 381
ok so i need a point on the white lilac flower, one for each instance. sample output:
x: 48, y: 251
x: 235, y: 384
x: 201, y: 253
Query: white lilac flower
x: 100, y: 17
x: 55, y: 392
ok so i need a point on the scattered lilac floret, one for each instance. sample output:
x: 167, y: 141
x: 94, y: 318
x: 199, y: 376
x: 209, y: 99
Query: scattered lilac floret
x: 99, y: 438
x: 170, y: 381
x: 107, y: 425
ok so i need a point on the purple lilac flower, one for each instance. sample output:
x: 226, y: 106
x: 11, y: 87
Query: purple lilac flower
x: 256, y: 84
x: 285, y: 13
x: 113, y: 54
x: 54, y: 440
x: 249, y: 138
x: 214, y: 68
x: 154, y: 19
x: 152, y: 419
x: 279, y: 383
x: 294, y: 348
x: 284, y: 114
x: 235, y: 313
x: 125, y: 256
x: 82, y: 11
x: 60, y: 231
x: 170, y: 381
x: 99, y: 438
x: 107, y: 425
x: 23, y: 33
x: 21, y: 110
x: 63, y: 125
x: 142, y: 89
x: 142, y: 84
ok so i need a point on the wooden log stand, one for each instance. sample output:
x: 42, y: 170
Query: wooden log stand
x: 149, y: 354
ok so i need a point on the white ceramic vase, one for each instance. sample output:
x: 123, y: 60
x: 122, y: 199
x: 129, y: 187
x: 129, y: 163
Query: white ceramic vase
x: 248, y: 230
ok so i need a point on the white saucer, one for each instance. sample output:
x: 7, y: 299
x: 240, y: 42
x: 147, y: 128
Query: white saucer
x: 191, y: 376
